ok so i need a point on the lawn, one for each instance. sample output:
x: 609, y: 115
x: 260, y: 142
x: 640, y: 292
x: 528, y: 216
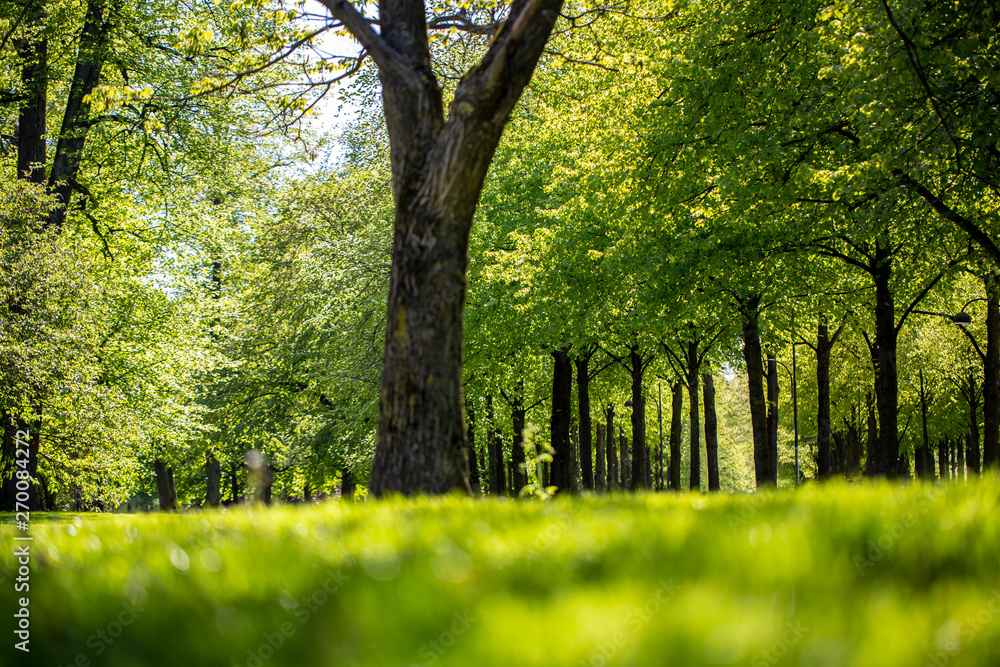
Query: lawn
x: 836, y: 575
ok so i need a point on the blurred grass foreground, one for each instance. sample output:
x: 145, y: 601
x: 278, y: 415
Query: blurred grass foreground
x: 863, y: 575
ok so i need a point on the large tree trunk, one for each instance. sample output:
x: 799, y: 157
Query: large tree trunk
x: 676, y: 429
x: 213, y: 479
x: 640, y: 467
x: 772, y: 419
x: 711, y: 433
x: 583, y: 401
x: 601, y: 474
x: 991, y: 384
x: 31, y: 159
x: 562, y: 409
x: 438, y: 169
x: 165, y: 485
x: 823, y: 346
x: 93, y: 51
x: 31, y: 120
x: 886, y: 383
x: 755, y: 382
x: 694, y: 479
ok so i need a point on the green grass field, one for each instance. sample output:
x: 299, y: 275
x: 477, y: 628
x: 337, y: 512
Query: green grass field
x: 838, y: 575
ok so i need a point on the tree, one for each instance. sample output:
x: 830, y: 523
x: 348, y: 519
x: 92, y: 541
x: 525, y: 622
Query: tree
x: 438, y: 167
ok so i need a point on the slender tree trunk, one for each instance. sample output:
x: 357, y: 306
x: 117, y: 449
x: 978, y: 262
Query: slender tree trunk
x: 583, y: 401
x: 562, y: 409
x: 234, y: 483
x: 519, y: 478
x: 921, y: 462
x: 574, y: 477
x: 601, y: 474
x: 886, y: 384
x: 772, y: 419
x: 626, y: 462
x: 972, y: 442
x: 676, y: 428
x: 755, y: 382
x: 438, y: 168
x: 611, y: 452
x: 953, y: 457
x: 492, y: 440
x: 711, y: 433
x: 694, y: 478
x: 347, y: 486
x: 470, y: 452
x: 213, y: 478
x: 942, y: 459
x: 874, y: 442
x: 852, y: 462
x: 639, y: 450
x: 991, y: 384
x: 824, y: 468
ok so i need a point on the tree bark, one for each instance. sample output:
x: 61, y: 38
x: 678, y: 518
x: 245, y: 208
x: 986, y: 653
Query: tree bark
x: 755, y: 382
x: 694, y: 479
x: 772, y: 419
x: 562, y: 407
x: 583, y: 402
x: 711, y: 433
x: 601, y: 474
x: 438, y: 168
x: 676, y: 429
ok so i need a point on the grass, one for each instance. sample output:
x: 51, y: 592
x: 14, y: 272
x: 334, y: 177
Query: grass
x: 838, y: 575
